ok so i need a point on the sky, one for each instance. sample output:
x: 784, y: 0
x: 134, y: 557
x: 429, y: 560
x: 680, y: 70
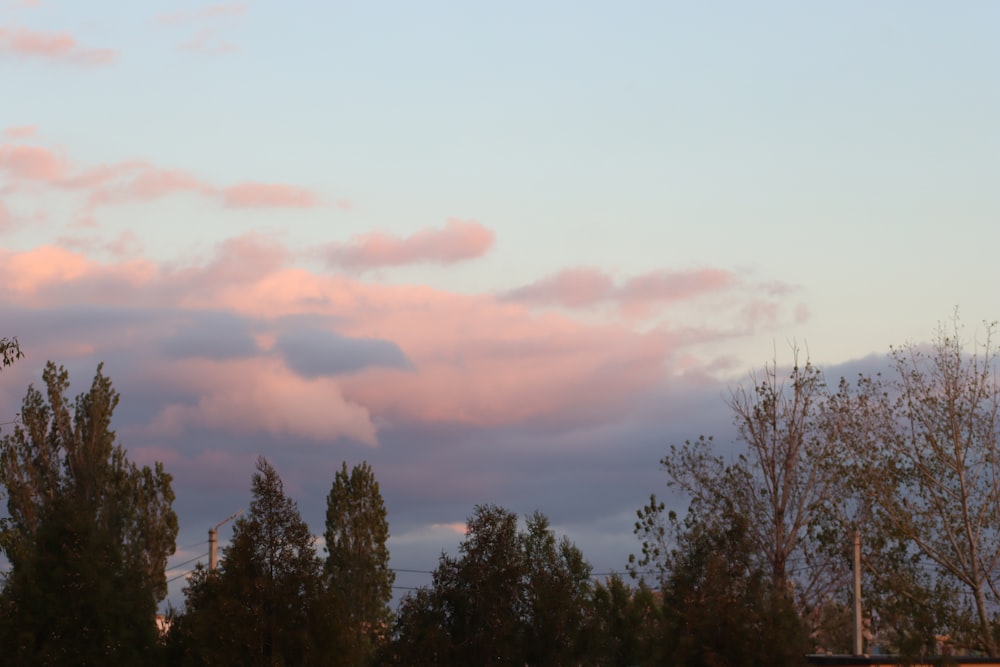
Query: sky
x: 505, y: 253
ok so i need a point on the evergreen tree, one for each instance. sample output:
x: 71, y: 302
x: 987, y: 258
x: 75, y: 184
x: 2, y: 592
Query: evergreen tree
x: 357, y: 563
x: 264, y: 605
x: 87, y: 534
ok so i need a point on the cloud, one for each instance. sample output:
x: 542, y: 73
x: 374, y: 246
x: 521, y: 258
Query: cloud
x: 136, y: 181
x: 267, y: 195
x: 316, y: 353
x: 575, y: 288
x: 31, y: 163
x: 251, y: 396
x: 210, y: 335
x: 54, y: 46
x: 586, y: 287
x: 659, y: 287
x: 245, y: 342
x: 208, y: 22
x: 139, y: 181
x: 20, y: 131
x: 457, y: 241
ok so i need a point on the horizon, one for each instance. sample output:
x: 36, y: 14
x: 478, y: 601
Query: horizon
x: 505, y: 255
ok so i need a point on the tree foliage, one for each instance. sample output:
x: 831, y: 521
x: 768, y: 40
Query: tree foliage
x: 87, y: 533
x: 357, y: 563
x: 625, y: 625
x: 264, y: 605
x: 720, y: 605
x: 10, y: 351
x: 510, y: 597
x: 774, y: 487
x: 921, y: 453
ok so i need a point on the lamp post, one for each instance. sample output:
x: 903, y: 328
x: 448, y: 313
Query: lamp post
x: 213, y: 539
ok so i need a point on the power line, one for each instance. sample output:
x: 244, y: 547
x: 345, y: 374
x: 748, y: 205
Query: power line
x: 186, y: 573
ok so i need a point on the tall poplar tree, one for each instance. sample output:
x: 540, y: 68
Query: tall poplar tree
x: 357, y: 563
x: 87, y: 533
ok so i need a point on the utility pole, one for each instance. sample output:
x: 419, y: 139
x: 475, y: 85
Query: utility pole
x: 213, y: 539
x: 858, y: 648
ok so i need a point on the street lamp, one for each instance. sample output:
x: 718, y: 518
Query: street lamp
x: 213, y: 539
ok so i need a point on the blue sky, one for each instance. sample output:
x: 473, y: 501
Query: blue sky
x: 472, y: 243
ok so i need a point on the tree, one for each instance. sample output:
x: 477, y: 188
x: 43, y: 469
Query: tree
x: 87, y: 533
x: 776, y: 485
x: 264, y: 604
x: 624, y: 626
x: 511, y: 597
x: 557, y: 590
x: 719, y: 605
x: 357, y: 563
x: 10, y: 351
x: 921, y: 452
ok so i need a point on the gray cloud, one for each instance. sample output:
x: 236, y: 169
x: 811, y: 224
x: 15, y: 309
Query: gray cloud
x: 314, y: 353
x: 211, y: 335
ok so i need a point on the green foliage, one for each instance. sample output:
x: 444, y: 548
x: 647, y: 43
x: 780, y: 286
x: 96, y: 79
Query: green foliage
x: 264, y: 606
x: 719, y: 605
x: 357, y: 563
x: 624, y: 626
x: 775, y: 487
x: 921, y: 458
x: 511, y: 597
x: 87, y: 534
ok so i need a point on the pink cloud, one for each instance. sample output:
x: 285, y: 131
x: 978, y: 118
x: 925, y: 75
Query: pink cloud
x: 660, y: 287
x: 21, y: 131
x: 458, y: 240
x: 126, y: 244
x: 238, y: 262
x: 137, y: 181
x: 587, y: 287
x: 476, y: 360
x: 472, y: 359
x: 50, y: 275
x: 248, y: 396
x: 268, y: 195
x: 571, y: 287
x: 31, y: 163
x: 57, y: 46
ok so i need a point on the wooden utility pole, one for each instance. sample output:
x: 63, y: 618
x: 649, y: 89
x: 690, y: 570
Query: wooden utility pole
x: 858, y: 638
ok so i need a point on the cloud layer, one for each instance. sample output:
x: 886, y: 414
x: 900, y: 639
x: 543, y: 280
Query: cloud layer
x: 27, y: 166
x: 588, y: 287
x: 60, y: 47
x: 457, y: 241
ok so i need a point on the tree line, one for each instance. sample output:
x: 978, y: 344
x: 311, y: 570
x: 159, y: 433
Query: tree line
x: 755, y: 571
